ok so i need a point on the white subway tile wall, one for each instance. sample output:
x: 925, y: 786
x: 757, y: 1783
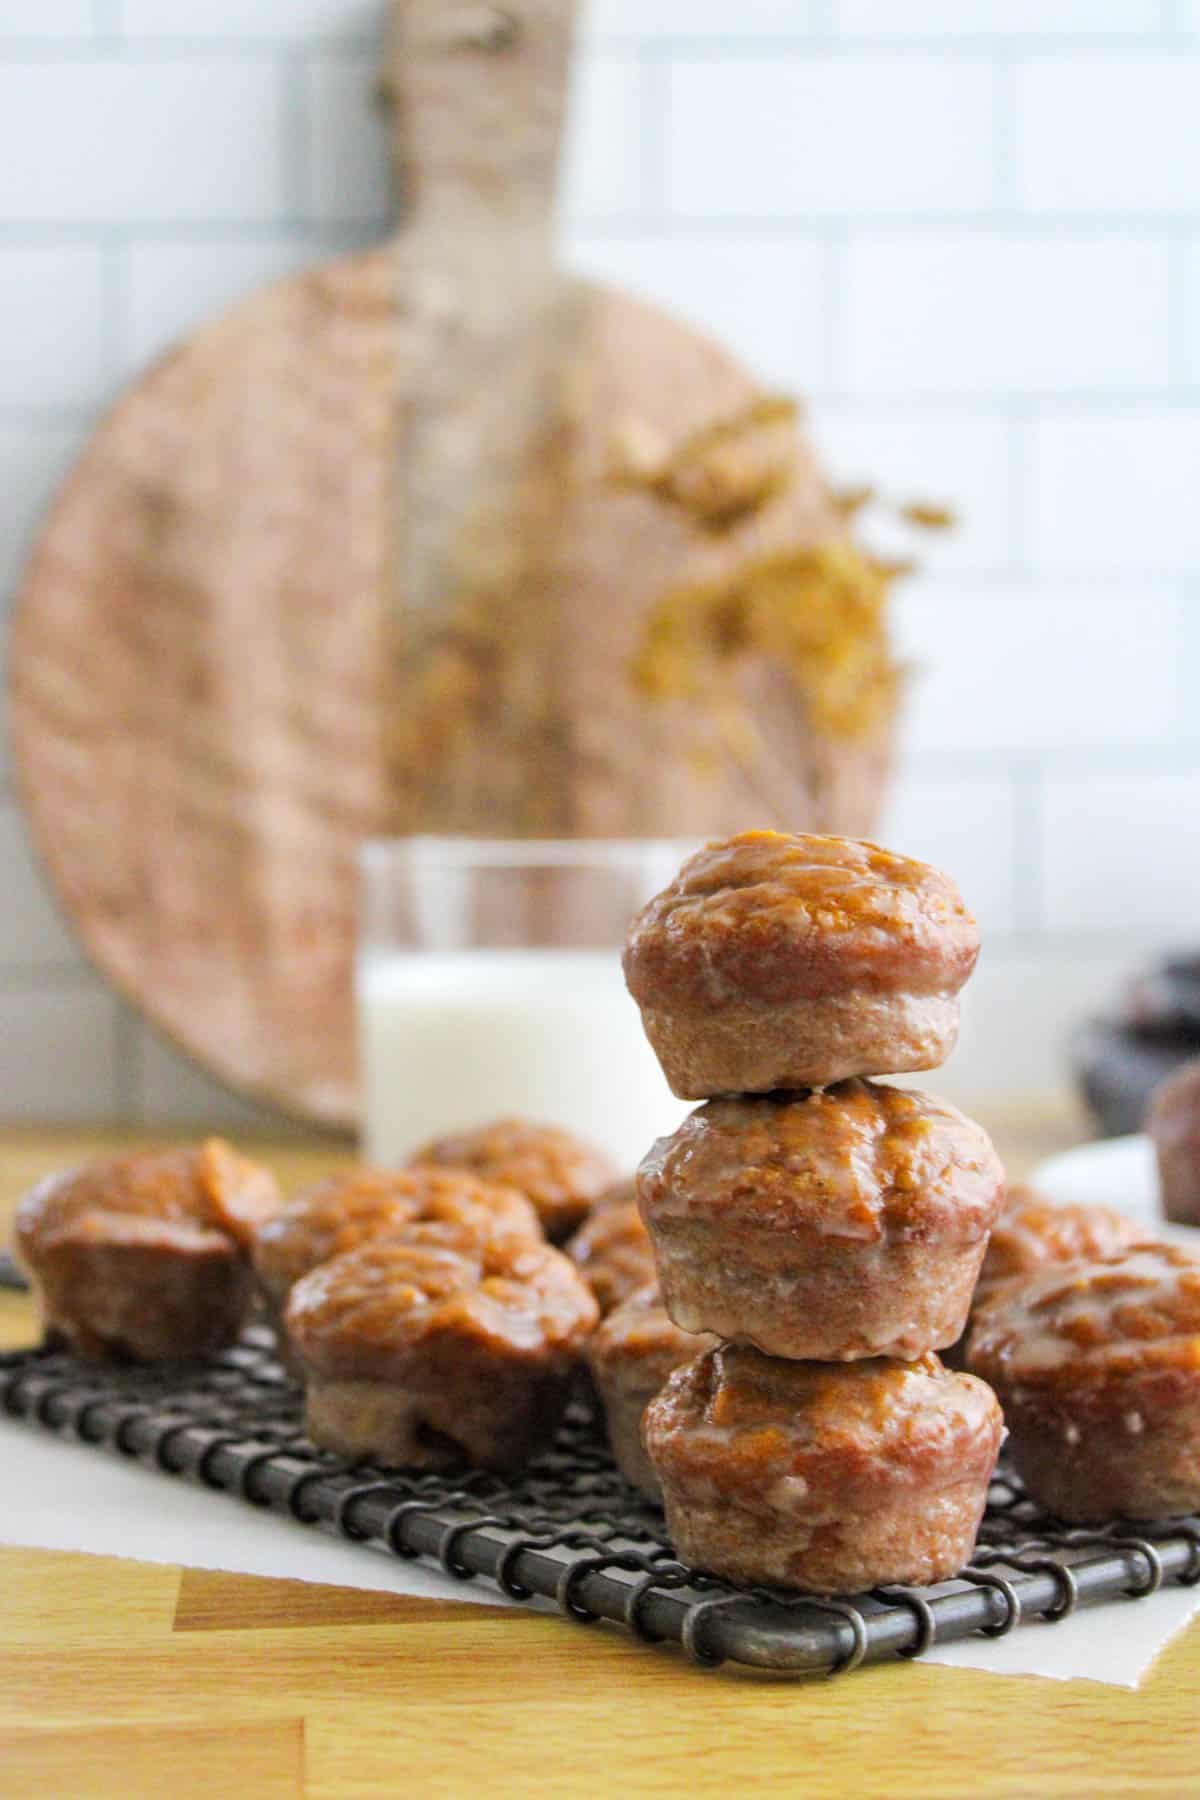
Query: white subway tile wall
x: 344, y: 146
x: 967, y: 230
x: 910, y: 455
x: 61, y: 1057
x: 1122, y: 846
x: 1117, y: 493
x: 56, y: 20
x: 53, y: 320
x: 812, y: 135
x: 992, y: 18
x: 606, y: 173
x: 32, y: 936
x: 1107, y: 134
x: 977, y: 315
x: 719, y: 21
x: 33, y: 458
x: 1039, y: 667
x: 141, y: 141
x: 242, y: 21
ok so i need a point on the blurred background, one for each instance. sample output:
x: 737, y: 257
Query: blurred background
x: 965, y: 231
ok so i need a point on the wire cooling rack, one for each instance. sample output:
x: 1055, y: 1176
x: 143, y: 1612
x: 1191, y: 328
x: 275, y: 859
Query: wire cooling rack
x: 570, y: 1528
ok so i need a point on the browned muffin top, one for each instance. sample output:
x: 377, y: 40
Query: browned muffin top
x: 612, y: 1247
x: 768, y: 916
x: 857, y: 1160
x: 1032, y: 1232
x: 641, y: 1343
x: 1138, y: 1310
x: 363, y: 1314
x: 191, y: 1192
x: 359, y: 1204
x: 559, y: 1173
x: 753, y: 1420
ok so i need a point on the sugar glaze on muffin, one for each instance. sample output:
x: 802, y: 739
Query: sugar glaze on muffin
x: 826, y: 1477
x: 147, y: 1257
x: 1032, y: 1233
x: 423, y: 1353
x: 362, y: 1203
x: 776, y: 961
x: 1097, y: 1365
x: 845, y: 1223
x: 559, y: 1173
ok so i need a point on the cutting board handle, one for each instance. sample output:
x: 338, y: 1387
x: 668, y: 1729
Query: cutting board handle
x: 478, y: 98
x: 487, y: 328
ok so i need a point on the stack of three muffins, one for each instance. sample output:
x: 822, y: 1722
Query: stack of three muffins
x: 827, y: 1230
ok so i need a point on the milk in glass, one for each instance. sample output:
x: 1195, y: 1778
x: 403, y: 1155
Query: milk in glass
x: 451, y: 1039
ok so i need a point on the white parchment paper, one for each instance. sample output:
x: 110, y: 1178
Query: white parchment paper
x: 57, y: 1495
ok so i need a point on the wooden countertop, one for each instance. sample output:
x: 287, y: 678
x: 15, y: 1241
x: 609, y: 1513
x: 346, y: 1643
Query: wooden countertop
x: 124, y: 1679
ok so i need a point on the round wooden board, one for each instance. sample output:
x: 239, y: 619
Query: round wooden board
x: 200, y: 663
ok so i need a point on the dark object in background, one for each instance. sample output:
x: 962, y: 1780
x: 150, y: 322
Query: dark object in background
x: 1174, y: 1126
x: 1117, y: 1071
x: 1165, y: 1002
x: 11, y: 1277
x: 1118, y: 1062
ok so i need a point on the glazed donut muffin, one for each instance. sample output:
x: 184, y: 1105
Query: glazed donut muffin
x: 425, y: 1354
x: 1032, y: 1232
x: 630, y: 1356
x: 559, y: 1174
x: 787, y: 962
x: 827, y: 1477
x: 359, y: 1204
x: 846, y: 1223
x: 1097, y: 1365
x: 146, y: 1257
x: 612, y: 1248
x: 1174, y: 1127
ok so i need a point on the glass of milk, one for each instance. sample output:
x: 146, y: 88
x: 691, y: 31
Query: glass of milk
x: 489, y: 986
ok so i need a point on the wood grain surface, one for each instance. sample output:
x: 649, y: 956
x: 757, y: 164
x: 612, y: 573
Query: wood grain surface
x: 122, y: 1681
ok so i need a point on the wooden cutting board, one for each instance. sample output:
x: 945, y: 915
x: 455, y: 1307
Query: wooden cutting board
x: 353, y: 560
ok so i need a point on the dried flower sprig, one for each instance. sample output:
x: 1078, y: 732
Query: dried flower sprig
x: 817, y: 611
x: 722, y: 474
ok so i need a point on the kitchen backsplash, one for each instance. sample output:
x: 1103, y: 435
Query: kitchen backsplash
x: 967, y: 230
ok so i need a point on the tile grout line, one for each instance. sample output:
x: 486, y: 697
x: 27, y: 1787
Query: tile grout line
x: 108, y: 22
x: 654, y: 98
x: 835, y: 294
x: 116, y: 303
x: 819, y: 44
x: 296, y: 147
x: 963, y: 227
x: 1021, y: 492
x: 1028, y: 874
x: 1006, y: 162
x: 1179, y: 289
x: 1175, y: 18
